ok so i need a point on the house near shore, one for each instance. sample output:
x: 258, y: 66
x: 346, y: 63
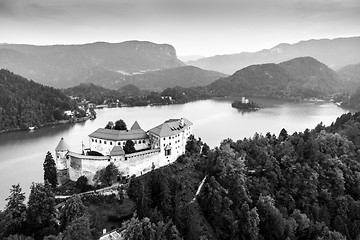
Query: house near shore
x: 155, y: 148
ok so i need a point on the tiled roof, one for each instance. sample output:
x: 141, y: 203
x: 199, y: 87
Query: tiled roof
x: 118, y: 135
x: 117, y: 151
x: 135, y: 126
x: 62, y: 146
x: 170, y: 127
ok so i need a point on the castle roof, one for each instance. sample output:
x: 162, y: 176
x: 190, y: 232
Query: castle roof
x: 62, y: 146
x: 119, y: 135
x: 135, y: 126
x: 170, y: 127
x: 87, y: 157
x: 117, y: 151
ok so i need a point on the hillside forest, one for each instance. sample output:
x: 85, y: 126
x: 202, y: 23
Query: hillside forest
x: 25, y: 103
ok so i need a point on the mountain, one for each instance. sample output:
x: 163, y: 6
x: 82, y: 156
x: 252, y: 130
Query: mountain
x: 64, y: 65
x: 302, y: 77
x: 24, y: 103
x: 351, y: 75
x: 185, y: 76
x: 335, y: 53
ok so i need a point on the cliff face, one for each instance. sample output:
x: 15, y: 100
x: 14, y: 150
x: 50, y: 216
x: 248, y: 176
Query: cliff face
x: 69, y: 65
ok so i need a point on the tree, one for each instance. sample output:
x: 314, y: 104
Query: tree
x: 15, y: 212
x: 120, y: 125
x: 107, y: 175
x: 110, y: 125
x: 73, y: 209
x: 79, y: 229
x: 41, y: 212
x: 129, y: 147
x: 82, y: 184
x: 50, y: 170
x: 136, y: 229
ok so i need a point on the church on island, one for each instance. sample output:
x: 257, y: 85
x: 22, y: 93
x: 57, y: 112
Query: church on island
x: 155, y: 148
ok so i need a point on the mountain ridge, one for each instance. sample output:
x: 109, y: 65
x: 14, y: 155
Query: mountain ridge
x: 60, y: 65
x: 335, y: 53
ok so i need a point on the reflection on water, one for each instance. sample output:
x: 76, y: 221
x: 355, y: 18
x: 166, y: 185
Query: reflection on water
x: 22, y: 153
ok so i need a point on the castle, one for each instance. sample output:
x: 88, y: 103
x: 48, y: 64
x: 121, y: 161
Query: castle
x: 155, y: 148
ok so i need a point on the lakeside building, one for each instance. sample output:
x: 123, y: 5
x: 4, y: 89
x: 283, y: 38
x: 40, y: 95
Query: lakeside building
x: 155, y: 148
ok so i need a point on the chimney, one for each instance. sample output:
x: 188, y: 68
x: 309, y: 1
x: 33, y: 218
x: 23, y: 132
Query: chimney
x: 182, y: 124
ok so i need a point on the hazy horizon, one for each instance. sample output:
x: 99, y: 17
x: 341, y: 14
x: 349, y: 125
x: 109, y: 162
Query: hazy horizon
x: 199, y: 27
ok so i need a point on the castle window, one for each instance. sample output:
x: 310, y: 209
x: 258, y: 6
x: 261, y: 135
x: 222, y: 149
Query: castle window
x: 92, y: 140
x: 95, y: 140
x: 99, y: 141
x: 104, y: 142
x: 167, y: 152
x: 139, y: 141
x: 143, y: 141
x: 164, y: 139
x: 110, y: 143
x: 119, y: 143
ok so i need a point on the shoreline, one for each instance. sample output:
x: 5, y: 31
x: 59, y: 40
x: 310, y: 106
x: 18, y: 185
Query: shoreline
x: 57, y: 123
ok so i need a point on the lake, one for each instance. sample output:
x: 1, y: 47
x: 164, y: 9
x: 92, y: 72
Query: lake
x: 22, y: 153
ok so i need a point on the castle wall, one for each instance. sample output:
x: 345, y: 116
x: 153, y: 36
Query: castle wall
x: 139, y: 163
x: 104, y: 146
x: 176, y: 143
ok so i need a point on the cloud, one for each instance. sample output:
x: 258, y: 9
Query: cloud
x: 18, y: 9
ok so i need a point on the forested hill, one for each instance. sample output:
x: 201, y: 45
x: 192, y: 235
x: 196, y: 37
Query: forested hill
x: 351, y: 75
x: 24, y: 103
x: 302, y: 77
x: 158, y: 80
x: 92, y: 93
x: 299, y: 186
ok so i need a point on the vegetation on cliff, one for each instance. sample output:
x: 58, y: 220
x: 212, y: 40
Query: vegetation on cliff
x: 299, y: 186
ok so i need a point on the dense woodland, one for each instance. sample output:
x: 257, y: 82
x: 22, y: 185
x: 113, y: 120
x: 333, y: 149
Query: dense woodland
x: 24, y: 103
x: 299, y: 186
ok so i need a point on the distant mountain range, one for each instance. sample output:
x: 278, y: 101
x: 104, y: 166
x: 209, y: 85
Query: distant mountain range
x: 67, y: 65
x: 335, y: 53
x: 302, y: 77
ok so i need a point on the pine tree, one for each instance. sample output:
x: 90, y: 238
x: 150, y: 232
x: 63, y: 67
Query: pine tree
x: 41, y: 212
x: 50, y: 170
x: 15, y: 212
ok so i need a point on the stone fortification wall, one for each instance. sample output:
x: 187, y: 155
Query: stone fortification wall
x: 139, y: 163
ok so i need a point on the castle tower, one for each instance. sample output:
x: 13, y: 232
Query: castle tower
x: 61, y: 149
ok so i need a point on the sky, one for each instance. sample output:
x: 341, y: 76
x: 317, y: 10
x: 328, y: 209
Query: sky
x: 193, y: 27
